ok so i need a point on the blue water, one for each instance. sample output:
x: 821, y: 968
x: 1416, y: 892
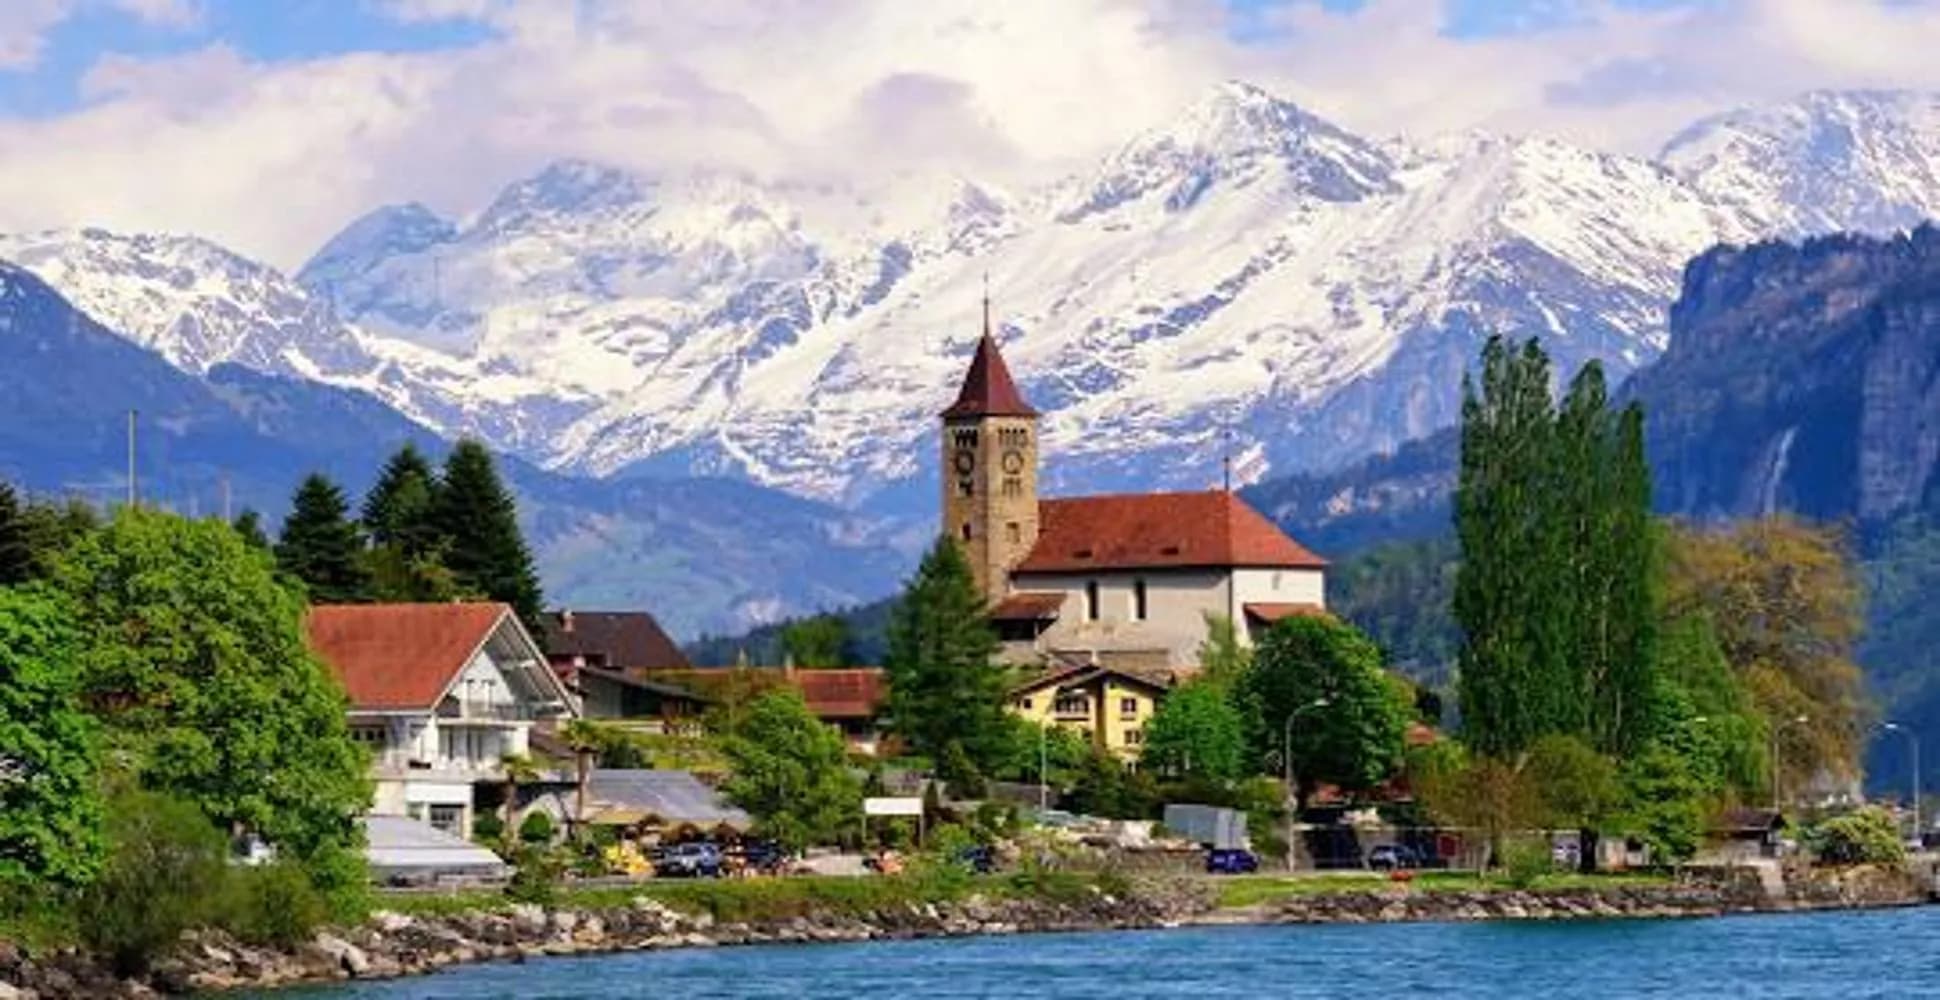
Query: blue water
x: 1892, y: 953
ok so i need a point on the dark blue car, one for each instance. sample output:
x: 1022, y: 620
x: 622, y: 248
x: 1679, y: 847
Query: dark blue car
x: 1231, y: 861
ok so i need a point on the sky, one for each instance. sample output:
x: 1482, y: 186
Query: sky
x: 269, y: 124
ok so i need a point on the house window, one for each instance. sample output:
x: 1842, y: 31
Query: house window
x: 1134, y: 737
x: 448, y: 818
x: 1024, y: 703
x: 1138, y: 601
x: 1072, y: 704
x: 1128, y: 707
x: 370, y: 736
x: 1014, y: 532
x: 1091, y: 601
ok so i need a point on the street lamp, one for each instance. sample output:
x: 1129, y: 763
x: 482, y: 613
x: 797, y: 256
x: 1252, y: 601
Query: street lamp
x: 1286, y: 763
x: 1043, y: 767
x: 1912, y: 740
x: 1798, y: 720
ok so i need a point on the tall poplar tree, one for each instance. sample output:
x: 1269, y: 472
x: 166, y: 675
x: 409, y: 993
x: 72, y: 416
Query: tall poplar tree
x: 485, y: 551
x: 321, y: 546
x: 943, y: 688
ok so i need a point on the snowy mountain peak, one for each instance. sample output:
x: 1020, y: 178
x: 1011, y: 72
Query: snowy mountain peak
x: 568, y: 187
x: 1236, y: 135
x: 383, y: 232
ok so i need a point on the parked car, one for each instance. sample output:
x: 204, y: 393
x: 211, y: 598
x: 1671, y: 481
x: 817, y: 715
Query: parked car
x: 689, y: 861
x: 765, y: 856
x: 1566, y: 855
x: 978, y: 858
x: 1231, y: 861
x: 1392, y: 857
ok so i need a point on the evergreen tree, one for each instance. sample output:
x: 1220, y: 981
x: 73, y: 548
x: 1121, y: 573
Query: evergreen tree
x: 321, y: 546
x: 17, y: 562
x: 942, y: 685
x: 486, y: 553
x: 400, y: 510
x: 249, y: 525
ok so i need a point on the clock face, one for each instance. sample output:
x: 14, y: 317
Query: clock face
x: 965, y: 461
x: 1013, y: 462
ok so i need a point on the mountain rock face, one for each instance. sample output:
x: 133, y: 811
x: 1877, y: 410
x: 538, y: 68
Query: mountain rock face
x: 705, y: 555
x: 1245, y: 279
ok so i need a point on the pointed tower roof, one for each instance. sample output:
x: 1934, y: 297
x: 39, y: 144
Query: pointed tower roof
x: 987, y: 388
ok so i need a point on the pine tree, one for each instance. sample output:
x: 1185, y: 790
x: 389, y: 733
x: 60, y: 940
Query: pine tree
x: 249, y: 525
x: 17, y: 561
x: 942, y: 685
x: 321, y: 546
x: 400, y: 509
x: 486, y: 553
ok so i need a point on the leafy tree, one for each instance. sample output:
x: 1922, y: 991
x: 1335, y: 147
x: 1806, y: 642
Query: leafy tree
x: 1053, y: 753
x: 1783, y: 600
x: 1400, y: 594
x: 487, y: 554
x: 321, y: 546
x: 17, y: 562
x: 1664, y: 803
x: 50, y: 812
x: 942, y: 686
x: 1485, y: 794
x: 1223, y: 658
x: 1575, y: 787
x: 1105, y: 787
x: 520, y: 769
x: 536, y: 829
x: 820, y: 641
x: 1353, y: 715
x: 960, y: 774
x: 1865, y: 836
x: 53, y: 529
x: 400, y: 511
x: 1196, y: 733
x: 249, y: 525
x: 1702, y: 712
x: 790, y: 772
x: 165, y: 858
x: 195, y: 661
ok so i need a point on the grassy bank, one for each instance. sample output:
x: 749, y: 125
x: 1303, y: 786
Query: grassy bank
x: 1252, y: 890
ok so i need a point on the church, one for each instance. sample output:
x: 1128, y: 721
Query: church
x: 1120, y: 583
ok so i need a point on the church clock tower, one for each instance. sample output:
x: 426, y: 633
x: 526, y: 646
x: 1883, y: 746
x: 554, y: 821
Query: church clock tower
x: 990, y: 469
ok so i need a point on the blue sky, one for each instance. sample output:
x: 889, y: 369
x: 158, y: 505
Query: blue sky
x: 273, y: 31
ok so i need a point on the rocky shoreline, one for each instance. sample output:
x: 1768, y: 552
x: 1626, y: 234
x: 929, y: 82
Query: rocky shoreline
x: 393, y: 944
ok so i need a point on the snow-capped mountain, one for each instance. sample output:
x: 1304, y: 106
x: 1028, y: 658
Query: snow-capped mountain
x: 1247, y: 277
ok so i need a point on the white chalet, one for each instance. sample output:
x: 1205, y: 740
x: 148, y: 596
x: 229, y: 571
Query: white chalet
x: 441, y: 693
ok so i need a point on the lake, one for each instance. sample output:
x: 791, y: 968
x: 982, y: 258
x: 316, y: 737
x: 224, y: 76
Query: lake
x: 1881, y: 953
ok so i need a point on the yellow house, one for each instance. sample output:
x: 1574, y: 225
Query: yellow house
x: 1107, y: 706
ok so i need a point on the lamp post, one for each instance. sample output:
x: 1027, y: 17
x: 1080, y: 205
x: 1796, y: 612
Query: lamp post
x: 1286, y: 763
x: 1913, y: 741
x: 1777, y: 770
x: 1043, y: 766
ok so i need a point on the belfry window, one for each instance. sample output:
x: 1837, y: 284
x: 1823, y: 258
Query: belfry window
x: 1091, y: 601
x: 966, y: 531
x: 1138, y: 601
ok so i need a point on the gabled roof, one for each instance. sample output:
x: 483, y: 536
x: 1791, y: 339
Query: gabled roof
x: 832, y: 693
x: 1028, y: 606
x: 674, y: 797
x: 1214, y: 528
x: 987, y: 388
x: 400, y: 657
x: 617, y: 640
x: 1269, y: 612
x: 1078, y: 674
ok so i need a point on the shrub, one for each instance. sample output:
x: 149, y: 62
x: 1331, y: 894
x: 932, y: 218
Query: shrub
x: 164, y: 856
x: 535, y: 875
x: 1866, y: 835
x: 488, y: 828
x: 1525, y: 861
x: 273, y: 904
x: 536, y: 828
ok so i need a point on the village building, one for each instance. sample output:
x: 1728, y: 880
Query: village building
x: 1108, y: 707
x: 849, y: 699
x: 604, y: 657
x: 1125, y: 581
x: 441, y: 694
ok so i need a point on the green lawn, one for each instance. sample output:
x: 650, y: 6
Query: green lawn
x: 1251, y: 890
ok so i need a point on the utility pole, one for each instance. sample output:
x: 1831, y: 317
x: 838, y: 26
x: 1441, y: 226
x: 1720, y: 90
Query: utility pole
x: 134, y: 497
x: 1913, y: 743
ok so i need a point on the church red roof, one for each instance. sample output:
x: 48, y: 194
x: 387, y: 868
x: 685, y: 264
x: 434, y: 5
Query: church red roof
x: 1146, y: 530
x: 987, y: 389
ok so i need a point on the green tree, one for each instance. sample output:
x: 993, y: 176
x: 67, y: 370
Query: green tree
x: 249, y: 525
x: 486, y: 552
x: 1196, y: 733
x: 163, y: 876
x: 400, y: 510
x: 1575, y: 787
x: 1485, y: 794
x: 54, y: 529
x: 1352, y: 716
x: 1664, y: 803
x: 1866, y: 836
x: 819, y: 641
x: 790, y: 772
x: 321, y: 546
x: 17, y: 562
x: 942, y: 685
x: 194, y: 659
x: 1223, y: 658
x: 50, y: 813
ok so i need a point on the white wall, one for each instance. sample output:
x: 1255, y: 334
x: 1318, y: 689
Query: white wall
x: 1176, y: 604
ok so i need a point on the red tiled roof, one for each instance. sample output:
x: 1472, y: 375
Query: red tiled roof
x: 1028, y: 607
x: 1269, y: 613
x: 854, y: 693
x: 1137, y: 531
x: 987, y: 389
x: 399, y: 656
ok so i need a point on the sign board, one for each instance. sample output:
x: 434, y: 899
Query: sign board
x: 892, y: 806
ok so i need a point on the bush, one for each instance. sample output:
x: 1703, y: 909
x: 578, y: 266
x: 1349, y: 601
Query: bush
x: 164, y: 857
x: 1865, y: 836
x: 535, y: 875
x: 273, y: 904
x: 1525, y: 861
x: 488, y: 828
x: 536, y: 829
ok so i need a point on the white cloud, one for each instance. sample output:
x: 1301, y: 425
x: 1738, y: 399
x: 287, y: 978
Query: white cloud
x: 163, y: 13
x: 23, y: 30
x: 274, y: 158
